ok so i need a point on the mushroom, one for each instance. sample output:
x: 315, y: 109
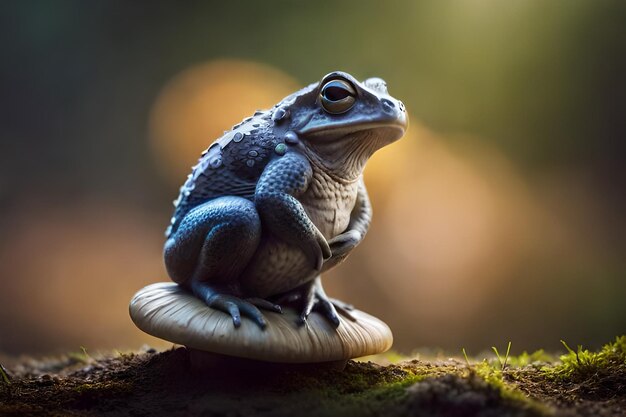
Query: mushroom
x: 167, y: 311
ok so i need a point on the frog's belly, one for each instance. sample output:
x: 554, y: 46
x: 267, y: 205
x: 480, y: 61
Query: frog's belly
x: 276, y: 267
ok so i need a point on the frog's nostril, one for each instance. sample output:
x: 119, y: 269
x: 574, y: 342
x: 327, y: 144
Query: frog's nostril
x: 388, y: 106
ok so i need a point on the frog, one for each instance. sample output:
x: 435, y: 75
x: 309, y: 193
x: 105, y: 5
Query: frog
x: 280, y: 199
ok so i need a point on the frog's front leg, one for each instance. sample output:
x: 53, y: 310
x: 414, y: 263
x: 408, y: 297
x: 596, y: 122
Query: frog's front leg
x: 276, y: 198
x: 209, y: 250
x: 360, y: 219
x: 311, y: 296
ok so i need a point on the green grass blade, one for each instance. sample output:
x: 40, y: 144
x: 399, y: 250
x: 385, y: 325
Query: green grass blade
x: 506, y: 357
x: 466, y: 358
x: 5, y: 376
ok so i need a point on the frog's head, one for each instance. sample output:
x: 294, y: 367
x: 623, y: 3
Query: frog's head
x: 341, y: 122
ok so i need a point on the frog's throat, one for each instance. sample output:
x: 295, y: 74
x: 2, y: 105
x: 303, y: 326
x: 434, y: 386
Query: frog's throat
x: 344, y: 160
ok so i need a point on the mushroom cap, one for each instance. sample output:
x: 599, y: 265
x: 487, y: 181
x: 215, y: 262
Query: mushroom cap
x: 167, y: 311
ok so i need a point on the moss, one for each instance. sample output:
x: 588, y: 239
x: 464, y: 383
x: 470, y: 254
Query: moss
x: 599, y: 374
x: 165, y: 384
x: 357, y: 397
x: 535, y: 358
x: 467, y: 396
x: 389, y: 357
x: 493, y: 373
x: 444, y: 386
x: 582, y: 364
x: 508, y: 390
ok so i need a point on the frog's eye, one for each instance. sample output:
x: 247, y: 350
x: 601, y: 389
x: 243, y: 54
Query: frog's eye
x: 337, y: 96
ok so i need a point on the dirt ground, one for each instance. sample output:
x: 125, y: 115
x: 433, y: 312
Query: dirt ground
x: 151, y: 383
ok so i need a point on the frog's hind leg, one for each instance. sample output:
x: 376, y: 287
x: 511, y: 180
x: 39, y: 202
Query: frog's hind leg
x: 210, y: 249
x: 213, y: 242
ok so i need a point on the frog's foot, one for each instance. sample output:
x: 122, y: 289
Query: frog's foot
x: 249, y: 307
x: 313, y: 297
x: 235, y: 306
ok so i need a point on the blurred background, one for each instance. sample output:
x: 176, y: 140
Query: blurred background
x: 498, y: 217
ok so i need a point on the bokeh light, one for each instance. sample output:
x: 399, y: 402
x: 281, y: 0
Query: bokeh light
x: 67, y: 277
x: 201, y: 102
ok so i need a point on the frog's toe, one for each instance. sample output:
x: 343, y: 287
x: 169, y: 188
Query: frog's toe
x: 323, y: 306
x: 265, y: 305
x: 236, y: 307
x: 343, y: 308
x: 321, y: 303
x: 341, y: 304
x: 254, y: 313
x: 310, y: 300
x: 328, y: 309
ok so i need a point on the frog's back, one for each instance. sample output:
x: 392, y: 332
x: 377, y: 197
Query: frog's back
x: 230, y: 166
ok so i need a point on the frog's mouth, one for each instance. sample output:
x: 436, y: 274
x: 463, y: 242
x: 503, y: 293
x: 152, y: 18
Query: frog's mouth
x: 391, y: 129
